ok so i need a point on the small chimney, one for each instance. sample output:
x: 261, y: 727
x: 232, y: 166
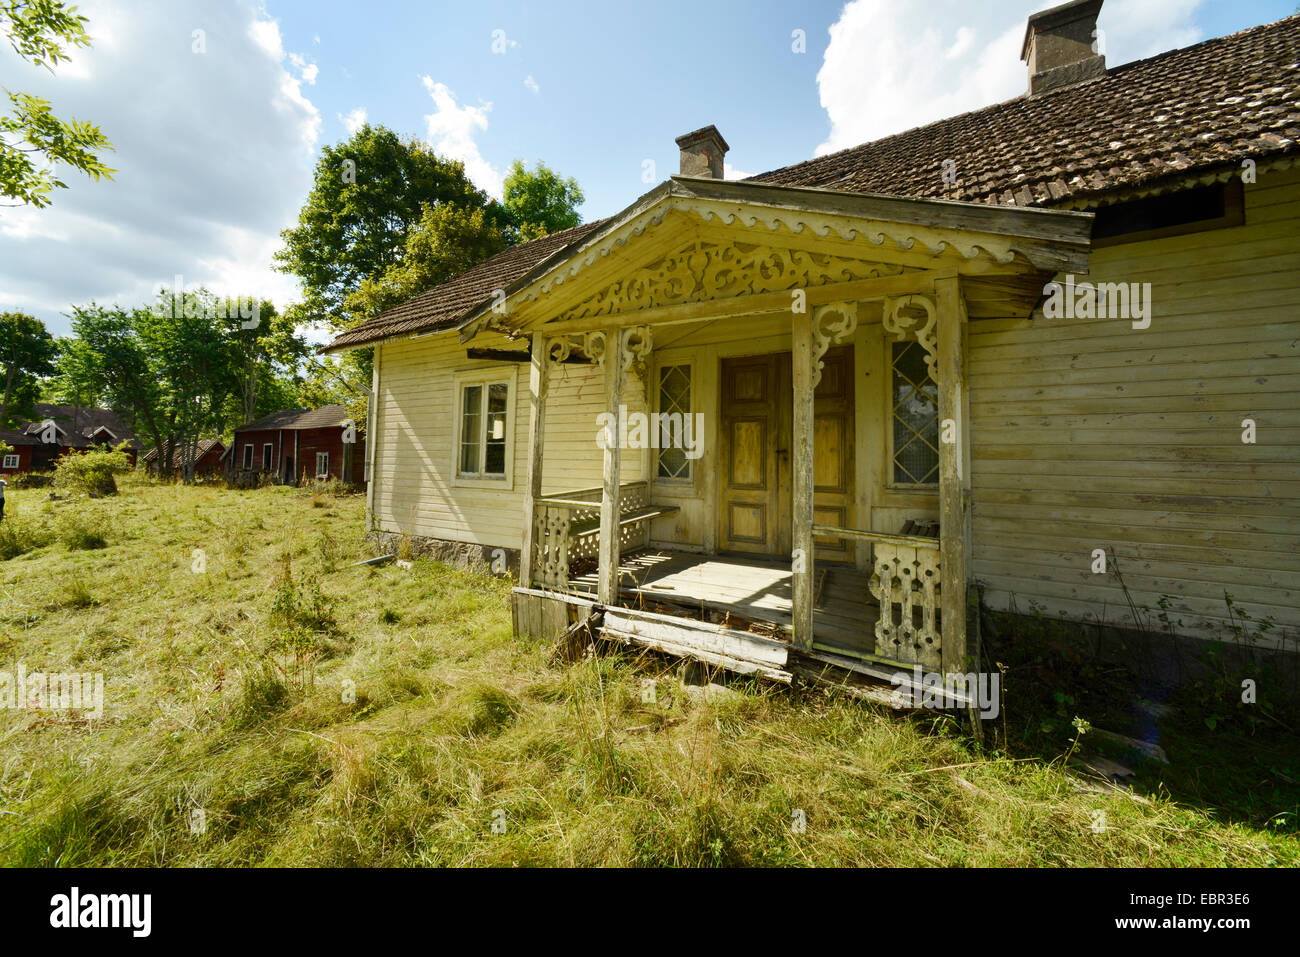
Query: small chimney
x: 1061, y: 44
x: 702, y: 153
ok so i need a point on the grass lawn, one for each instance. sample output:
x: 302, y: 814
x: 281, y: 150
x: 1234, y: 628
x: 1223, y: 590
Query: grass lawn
x: 229, y: 735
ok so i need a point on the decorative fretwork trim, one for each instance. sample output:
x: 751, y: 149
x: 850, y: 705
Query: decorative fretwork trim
x: 702, y: 270
x: 827, y: 331
x: 923, y: 329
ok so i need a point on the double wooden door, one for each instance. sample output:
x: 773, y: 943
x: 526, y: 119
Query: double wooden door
x: 754, y: 514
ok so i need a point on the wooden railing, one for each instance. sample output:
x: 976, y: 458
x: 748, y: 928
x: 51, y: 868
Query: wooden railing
x: 566, y: 529
x: 905, y: 583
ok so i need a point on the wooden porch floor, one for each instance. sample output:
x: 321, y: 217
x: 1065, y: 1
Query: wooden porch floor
x: 844, y: 617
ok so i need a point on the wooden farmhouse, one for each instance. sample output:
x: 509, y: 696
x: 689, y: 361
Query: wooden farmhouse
x: 1047, y: 352
x: 298, y: 445
x: 56, y: 430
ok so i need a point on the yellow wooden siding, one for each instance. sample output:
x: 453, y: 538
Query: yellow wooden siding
x: 414, y: 490
x: 1091, y: 434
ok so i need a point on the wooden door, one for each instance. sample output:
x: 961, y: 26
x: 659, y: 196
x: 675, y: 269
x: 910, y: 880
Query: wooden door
x: 755, y: 455
x: 754, y: 513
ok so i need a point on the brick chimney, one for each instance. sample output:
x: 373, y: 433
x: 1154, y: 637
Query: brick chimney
x: 1060, y: 46
x: 702, y: 153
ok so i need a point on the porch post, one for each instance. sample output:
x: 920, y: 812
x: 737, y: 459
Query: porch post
x: 802, y: 480
x: 607, y: 580
x: 954, y: 475
x: 537, y: 389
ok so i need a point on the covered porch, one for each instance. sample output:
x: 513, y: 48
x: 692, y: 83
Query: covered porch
x: 729, y: 259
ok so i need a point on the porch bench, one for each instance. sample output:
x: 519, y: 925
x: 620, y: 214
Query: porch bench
x: 632, y: 516
x: 568, y: 529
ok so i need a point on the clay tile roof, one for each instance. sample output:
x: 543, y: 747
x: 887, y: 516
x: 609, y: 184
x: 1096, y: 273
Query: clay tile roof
x: 443, y: 305
x: 325, y: 417
x: 1213, y: 104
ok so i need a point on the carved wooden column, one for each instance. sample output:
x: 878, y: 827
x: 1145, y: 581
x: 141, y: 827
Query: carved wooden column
x: 538, y: 386
x: 612, y: 360
x: 954, y: 474
x: 802, y: 480
x: 811, y: 337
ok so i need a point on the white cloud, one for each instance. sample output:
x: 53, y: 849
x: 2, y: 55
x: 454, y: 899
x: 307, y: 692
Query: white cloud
x: 532, y: 84
x: 354, y: 120
x: 307, y: 71
x: 213, y: 156
x: 730, y: 172
x: 891, y: 67
x: 451, y: 130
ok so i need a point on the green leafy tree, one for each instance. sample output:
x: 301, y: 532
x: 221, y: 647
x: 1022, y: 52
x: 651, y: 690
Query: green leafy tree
x: 369, y: 191
x: 32, y: 138
x: 445, y: 242
x: 27, y: 354
x: 540, y: 202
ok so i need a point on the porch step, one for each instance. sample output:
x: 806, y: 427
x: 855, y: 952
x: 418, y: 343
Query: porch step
x: 737, y: 651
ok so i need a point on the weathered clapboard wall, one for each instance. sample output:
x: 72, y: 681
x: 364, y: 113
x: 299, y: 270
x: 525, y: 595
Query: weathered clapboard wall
x: 413, y: 485
x: 1092, y: 434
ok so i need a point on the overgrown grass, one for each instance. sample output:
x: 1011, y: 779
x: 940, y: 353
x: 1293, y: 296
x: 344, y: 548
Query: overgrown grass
x: 316, y: 713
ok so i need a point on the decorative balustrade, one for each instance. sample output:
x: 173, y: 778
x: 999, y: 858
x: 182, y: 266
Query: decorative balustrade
x: 566, y: 529
x: 905, y: 583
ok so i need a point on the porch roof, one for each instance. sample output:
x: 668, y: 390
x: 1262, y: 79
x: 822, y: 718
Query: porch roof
x: 1039, y: 242
x: 1045, y: 240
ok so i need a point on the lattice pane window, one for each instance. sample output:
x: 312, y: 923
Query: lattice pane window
x: 915, y: 417
x: 675, y: 400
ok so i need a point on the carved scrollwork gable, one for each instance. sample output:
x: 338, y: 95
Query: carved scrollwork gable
x: 915, y: 316
x: 703, y: 271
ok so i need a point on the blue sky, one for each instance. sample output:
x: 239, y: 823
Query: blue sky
x: 215, y: 146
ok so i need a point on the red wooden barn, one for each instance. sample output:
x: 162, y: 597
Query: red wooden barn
x: 296, y: 445
x: 207, y: 459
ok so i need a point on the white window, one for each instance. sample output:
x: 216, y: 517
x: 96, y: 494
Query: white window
x: 914, y: 422
x: 11, y: 462
x: 484, y: 446
x: 267, y: 457
x: 675, y: 422
x: 322, y: 465
x: 248, y: 455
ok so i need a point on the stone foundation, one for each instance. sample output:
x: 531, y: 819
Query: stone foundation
x: 462, y: 555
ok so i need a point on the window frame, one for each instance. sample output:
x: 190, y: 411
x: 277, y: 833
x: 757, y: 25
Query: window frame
x: 326, y: 472
x: 890, y: 466
x: 268, y: 456
x: 248, y: 456
x: 687, y: 482
x: 16, y: 463
x: 485, y: 377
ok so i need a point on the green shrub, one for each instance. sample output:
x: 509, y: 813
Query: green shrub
x: 92, y: 471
